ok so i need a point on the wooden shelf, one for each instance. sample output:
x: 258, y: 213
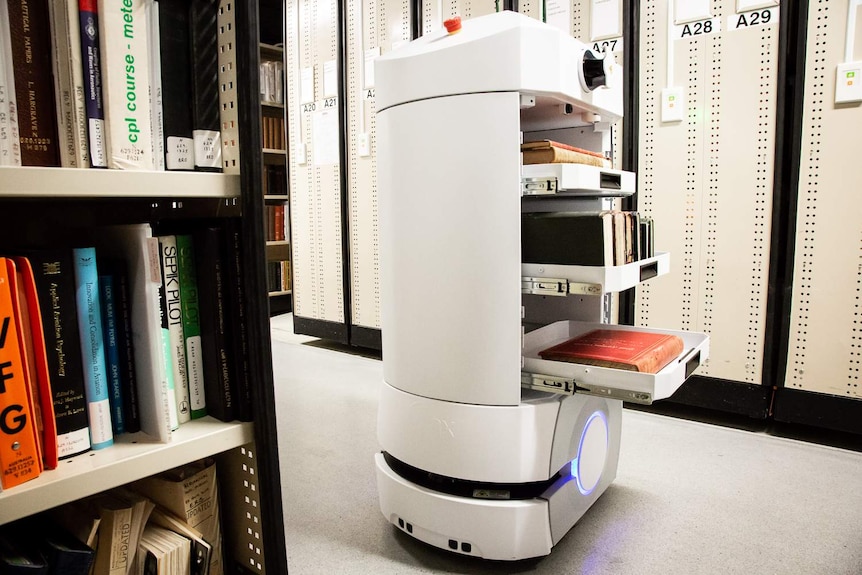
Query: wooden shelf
x: 29, y: 182
x: 277, y: 105
x: 271, y: 51
x: 133, y: 456
x: 280, y: 293
x: 277, y: 243
x: 276, y: 198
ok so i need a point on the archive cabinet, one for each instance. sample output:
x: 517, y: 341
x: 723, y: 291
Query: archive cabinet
x: 60, y: 207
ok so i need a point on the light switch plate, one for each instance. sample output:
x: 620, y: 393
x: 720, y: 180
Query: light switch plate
x: 364, y: 145
x: 672, y: 105
x: 848, y: 83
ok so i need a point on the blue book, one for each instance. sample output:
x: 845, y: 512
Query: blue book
x: 92, y: 60
x: 92, y: 347
x: 112, y: 352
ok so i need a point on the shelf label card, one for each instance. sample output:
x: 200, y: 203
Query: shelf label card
x: 764, y: 17
x: 609, y: 45
x: 605, y: 21
x: 179, y: 153
x: 749, y: 5
x: 330, y: 79
x: 695, y: 29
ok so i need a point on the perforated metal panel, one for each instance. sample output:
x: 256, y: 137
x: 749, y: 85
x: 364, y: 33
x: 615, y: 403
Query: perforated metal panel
x: 825, y: 350
x: 314, y: 165
x: 434, y: 13
x: 707, y: 180
x: 238, y: 476
x: 374, y: 27
x: 228, y: 109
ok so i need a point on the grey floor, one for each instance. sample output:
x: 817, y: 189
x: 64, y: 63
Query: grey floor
x: 689, y: 497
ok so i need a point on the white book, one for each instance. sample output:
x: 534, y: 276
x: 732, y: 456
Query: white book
x: 136, y: 245
x: 156, y: 111
x: 69, y: 83
x: 13, y: 143
x: 124, y: 35
x: 173, y: 308
x: 5, y: 144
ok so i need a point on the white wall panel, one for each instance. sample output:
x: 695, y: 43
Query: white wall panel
x: 374, y: 27
x: 825, y: 350
x: 707, y: 180
x: 314, y: 140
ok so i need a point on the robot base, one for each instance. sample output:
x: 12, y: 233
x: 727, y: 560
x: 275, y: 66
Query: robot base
x: 468, y: 519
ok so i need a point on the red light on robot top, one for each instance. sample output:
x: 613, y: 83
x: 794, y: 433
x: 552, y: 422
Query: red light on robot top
x: 453, y: 24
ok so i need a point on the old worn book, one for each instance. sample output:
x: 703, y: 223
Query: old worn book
x: 630, y: 350
x: 550, y: 152
x: 568, y: 238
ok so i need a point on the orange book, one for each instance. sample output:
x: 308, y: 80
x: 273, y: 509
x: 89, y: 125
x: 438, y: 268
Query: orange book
x: 619, y: 349
x: 19, y: 452
x: 37, y: 361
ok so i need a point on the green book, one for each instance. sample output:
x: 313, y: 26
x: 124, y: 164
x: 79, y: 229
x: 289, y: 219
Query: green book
x: 191, y: 324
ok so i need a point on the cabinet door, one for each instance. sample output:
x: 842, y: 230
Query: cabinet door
x: 315, y: 153
x: 822, y: 384
x: 706, y: 176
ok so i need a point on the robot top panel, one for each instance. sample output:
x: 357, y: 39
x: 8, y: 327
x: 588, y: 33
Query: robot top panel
x: 500, y: 52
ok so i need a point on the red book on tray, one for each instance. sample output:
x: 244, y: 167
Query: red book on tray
x: 619, y: 349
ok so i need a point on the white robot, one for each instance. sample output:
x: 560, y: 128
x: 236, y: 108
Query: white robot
x: 488, y: 450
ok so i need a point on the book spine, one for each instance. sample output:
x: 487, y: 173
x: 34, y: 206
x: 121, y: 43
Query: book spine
x: 19, y: 461
x: 176, y: 71
x: 55, y: 287
x: 157, y: 120
x: 210, y: 263
x: 75, y: 66
x: 203, y: 35
x: 125, y: 72
x: 191, y: 325
x: 92, y: 347
x: 14, y: 143
x: 34, y: 82
x: 5, y: 128
x: 91, y: 55
x: 122, y: 295
x: 173, y: 307
x: 167, y: 353
x: 112, y: 352
x: 40, y: 378
x: 63, y: 83
x: 238, y: 322
x: 28, y: 356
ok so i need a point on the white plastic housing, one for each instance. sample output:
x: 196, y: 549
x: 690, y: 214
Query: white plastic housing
x: 515, y: 53
x: 450, y: 247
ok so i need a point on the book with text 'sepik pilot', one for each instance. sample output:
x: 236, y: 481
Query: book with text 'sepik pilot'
x: 93, y: 347
x: 19, y: 454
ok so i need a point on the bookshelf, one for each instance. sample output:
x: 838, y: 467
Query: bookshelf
x: 56, y: 204
x: 277, y: 206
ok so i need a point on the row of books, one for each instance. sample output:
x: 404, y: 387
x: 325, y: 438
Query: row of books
x: 127, y: 85
x: 273, y: 133
x: 166, y: 524
x: 272, y: 82
x: 278, y: 276
x: 115, y: 337
x: 604, y: 238
x: 275, y: 180
x: 276, y: 224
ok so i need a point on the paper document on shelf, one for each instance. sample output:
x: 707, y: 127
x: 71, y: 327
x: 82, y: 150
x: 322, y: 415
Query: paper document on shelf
x: 330, y: 79
x: 324, y: 129
x: 690, y: 10
x: 605, y: 19
x: 558, y: 13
